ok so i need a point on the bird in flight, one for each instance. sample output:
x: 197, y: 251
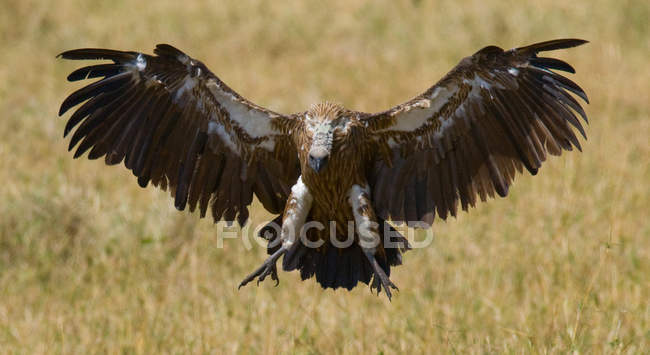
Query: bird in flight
x: 334, y: 176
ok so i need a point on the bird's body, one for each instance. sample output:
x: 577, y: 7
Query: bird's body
x: 346, y: 164
x: 334, y: 176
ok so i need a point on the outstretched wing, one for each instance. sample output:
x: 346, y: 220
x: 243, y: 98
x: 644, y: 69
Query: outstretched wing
x: 174, y: 123
x: 469, y: 134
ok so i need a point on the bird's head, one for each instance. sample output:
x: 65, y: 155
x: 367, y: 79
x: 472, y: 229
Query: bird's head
x: 324, y: 121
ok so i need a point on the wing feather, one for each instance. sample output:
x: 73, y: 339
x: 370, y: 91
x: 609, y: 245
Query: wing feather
x: 178, y: 126
x: 469, y: 134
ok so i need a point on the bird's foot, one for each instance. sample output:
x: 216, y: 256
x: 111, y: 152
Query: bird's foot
x: 267, y: 268
x: 381, y: 280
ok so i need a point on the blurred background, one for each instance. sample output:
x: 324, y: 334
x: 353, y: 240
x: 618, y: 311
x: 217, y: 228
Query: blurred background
x: 89, y: 262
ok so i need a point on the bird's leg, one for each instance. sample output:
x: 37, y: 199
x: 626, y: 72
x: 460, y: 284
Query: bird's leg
x: 294, y: 217
x: 369, y: 238
x: 380, y: 279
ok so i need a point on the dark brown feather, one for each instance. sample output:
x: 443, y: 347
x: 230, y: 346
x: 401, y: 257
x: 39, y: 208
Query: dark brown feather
x: 98, y: 53
x: 495, y: 112
x: 104, y: 85
x: 552, y: 63
x: 154, y: 113
x: 95, y: 71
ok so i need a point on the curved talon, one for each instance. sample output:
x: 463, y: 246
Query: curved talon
x: 269, y: 270
x: 274, y: 276
x: 375, y: 285
x: 379, y: 283
x: 380, y: 280
x: 266, y: 269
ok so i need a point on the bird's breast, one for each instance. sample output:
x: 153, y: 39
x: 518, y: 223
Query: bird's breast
x: 331, y: 185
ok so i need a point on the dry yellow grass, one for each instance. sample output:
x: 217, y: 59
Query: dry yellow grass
x: 89, y: 262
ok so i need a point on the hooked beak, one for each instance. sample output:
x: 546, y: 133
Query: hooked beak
x: 321, y: 146
x: 317, y: 163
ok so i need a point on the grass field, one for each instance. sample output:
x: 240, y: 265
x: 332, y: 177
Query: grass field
x: 91, y: 263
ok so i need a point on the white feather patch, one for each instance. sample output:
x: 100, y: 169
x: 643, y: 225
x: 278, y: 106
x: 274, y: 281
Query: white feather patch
x: 188, y: 85
x: 140, y: 62
x: 217, y: 128
x: 445, y: 124
x: 294, y: 219
x: 416, y: 115
x: 254, y: 122
x: 479, y: 84
x: 138, y: 65
x: 358, y: 197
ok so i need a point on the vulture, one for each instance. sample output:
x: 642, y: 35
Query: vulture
x: 335, y: 177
